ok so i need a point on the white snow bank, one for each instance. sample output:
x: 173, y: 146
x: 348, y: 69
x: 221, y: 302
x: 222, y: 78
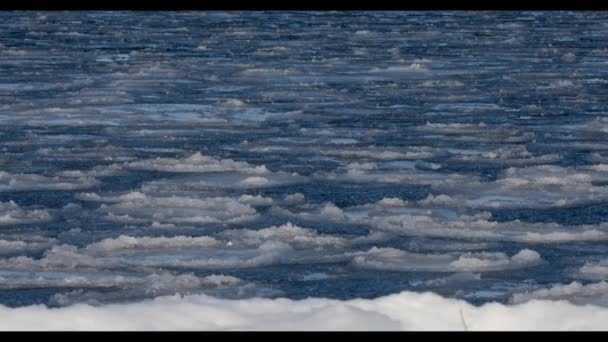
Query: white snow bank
x: 403, y: 311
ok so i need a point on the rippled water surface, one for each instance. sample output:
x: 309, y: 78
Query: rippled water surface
x: 336, y: 155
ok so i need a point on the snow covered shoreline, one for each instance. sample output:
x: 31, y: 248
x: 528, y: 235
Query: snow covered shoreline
x: 403, y: 311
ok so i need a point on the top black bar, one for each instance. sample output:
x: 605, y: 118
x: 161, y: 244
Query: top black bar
x: 300, y: 5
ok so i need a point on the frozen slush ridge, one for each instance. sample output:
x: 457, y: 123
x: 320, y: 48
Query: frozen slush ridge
x: 403, y: 311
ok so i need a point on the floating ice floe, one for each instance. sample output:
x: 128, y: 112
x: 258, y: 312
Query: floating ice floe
x: 593, y: 270
x: 391, y: 259
x: 541, y: 186
x: 419, y: 222
x: 11, y: 213
x: 575, y: 292
x: 34, y: 182
x: 234, y: 248
x: 196, y: 163
x: 142, y: 208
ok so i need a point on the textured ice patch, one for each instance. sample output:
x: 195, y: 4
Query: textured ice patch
x: 58, y: 257
x: 11, y: 213
x: 268, y: 72
x: 446, y: 224
x: 228, y: 180
x: 391, y: 259
x: 97, y: 171
x: 480, y: 132
x: 453, y: 279
x: 42, y: 279
x: 391, y: 202
x: 329, y: 212
x: 117, y: 288
x: 138, y: 207
x: 106, y: 153
x: 407, y: 153
x: 97, y: 288
x: 254, y: 181
x: 511, y: 155
x: 442, y: 83
x: 388, y: 176
x: 597, y: 125
x: 196, y: 163
x: 296, y: 198
x: 33, y: 182
x: 558, y: 84
x: 398, y: 70
x: 541, y: 186
x: 288, y: 233
x: 234, y: 248
x: 124, y: 242
x: 593, y: 270
x: 24, y: 245
x: 255, y: 200
x: 575, y: 292
x: 141, y: 257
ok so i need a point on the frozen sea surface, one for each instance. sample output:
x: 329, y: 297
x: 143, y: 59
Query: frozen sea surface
x: 343, y: 156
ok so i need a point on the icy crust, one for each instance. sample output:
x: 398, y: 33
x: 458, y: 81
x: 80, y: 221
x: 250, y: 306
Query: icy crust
x: 437, y: 220
x: 224, y: 181
x: 28, y: 182
x: 419, y: 219
x: 124, y: 242
x: 289, y: 233
x: 206, y: 172
x: 24, y: 244
x: 407, y: 153
x: 510, y: 155
x: 392, y: 259
x: 152, y: 283
x: 246, y: 248
x: 593, y: 270
x: 97, y: 153
x: 542, y: 186
x: 98, y: 288
x: 597, y: 125
x: 24, y: 272
x: 420, y: 222
x: 403, y: 311
x: 141, y: 208
x: 196, y: 163
x: 175, y: 202
x: 479, y: 132
x: 366, y: 173
x: 11, y: 213
x: 241, y: 248
x: 575, y: 292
